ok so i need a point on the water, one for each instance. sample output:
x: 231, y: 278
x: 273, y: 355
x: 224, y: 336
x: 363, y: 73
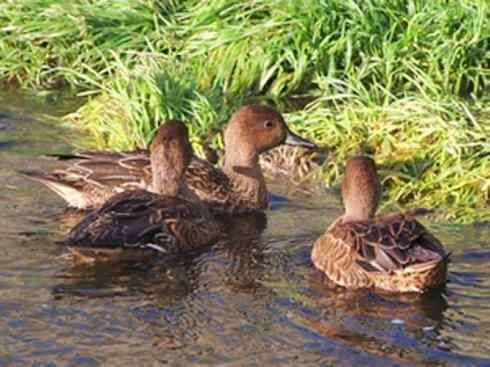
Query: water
x: 254, y: 301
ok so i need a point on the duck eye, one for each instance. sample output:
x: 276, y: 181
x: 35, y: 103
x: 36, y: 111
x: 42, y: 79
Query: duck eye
x: 268, y: 124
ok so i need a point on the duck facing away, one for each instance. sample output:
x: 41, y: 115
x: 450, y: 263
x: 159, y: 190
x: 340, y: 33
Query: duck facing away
x: 92, y: 177
x: 138, y: 220
x: 393, y: 252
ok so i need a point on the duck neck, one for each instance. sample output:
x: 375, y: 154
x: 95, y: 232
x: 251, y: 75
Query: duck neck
x: 165, y: 185
x: 244, y: 171
x: 166, y: 177
x: 361, y: 211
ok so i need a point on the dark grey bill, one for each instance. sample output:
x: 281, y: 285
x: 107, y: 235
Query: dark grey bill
x: 293, y: 139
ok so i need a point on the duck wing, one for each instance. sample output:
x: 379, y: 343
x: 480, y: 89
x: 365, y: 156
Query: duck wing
x: 208, y: 181
x: 89, y: 178
x: 134, y: 168
x: 214, y: 187
x: 390, y: 243
x: 136, y: 219
x: 105, y: 169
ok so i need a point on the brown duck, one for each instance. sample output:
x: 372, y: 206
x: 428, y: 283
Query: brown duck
x: 136, y: 221
x: 393, y: 252
x: 92, y: 177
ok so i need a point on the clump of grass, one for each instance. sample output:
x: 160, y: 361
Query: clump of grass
x: 49, y: 42
x: 384, y: 49
x: 408, y: 81
x: 128, y: 110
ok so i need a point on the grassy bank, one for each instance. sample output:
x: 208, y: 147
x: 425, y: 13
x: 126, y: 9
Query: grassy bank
x: 408, y: 80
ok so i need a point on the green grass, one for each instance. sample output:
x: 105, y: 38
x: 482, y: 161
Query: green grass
x: 406, y: 80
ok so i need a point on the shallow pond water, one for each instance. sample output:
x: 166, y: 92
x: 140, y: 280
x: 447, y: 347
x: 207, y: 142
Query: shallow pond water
x: 254, y: 300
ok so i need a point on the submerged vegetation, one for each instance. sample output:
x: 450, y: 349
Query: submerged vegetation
x: 406, y: 80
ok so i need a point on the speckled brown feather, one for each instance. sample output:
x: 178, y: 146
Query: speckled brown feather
x: 134, y: 219
x: 393, y: 252
x: 94, y: 181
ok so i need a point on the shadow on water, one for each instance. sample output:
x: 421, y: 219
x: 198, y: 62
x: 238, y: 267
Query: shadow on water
x: 254, y: 299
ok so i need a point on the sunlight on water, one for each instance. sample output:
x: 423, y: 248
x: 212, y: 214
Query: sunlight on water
x: 254, y: 300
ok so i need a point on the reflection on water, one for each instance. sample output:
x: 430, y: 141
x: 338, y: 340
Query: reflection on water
x: 252, y: 300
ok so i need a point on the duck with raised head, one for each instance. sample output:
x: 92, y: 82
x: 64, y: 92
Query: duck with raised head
x: 135, y: 221
x: 392, y: 252
x: 92, y: 177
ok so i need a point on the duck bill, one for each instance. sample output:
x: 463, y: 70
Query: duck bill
x: 295, y: 140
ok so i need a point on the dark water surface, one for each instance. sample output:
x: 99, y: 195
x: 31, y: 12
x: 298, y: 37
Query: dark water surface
x: 253, y: 301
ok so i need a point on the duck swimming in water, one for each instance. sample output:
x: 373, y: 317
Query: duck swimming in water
x: 92, y: 177
x: 393, y: 252
x: 135, y: 221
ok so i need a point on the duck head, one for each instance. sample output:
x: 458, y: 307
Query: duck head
x: 171, y: 153
x: 254, y: 129
x: 361, y: 189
